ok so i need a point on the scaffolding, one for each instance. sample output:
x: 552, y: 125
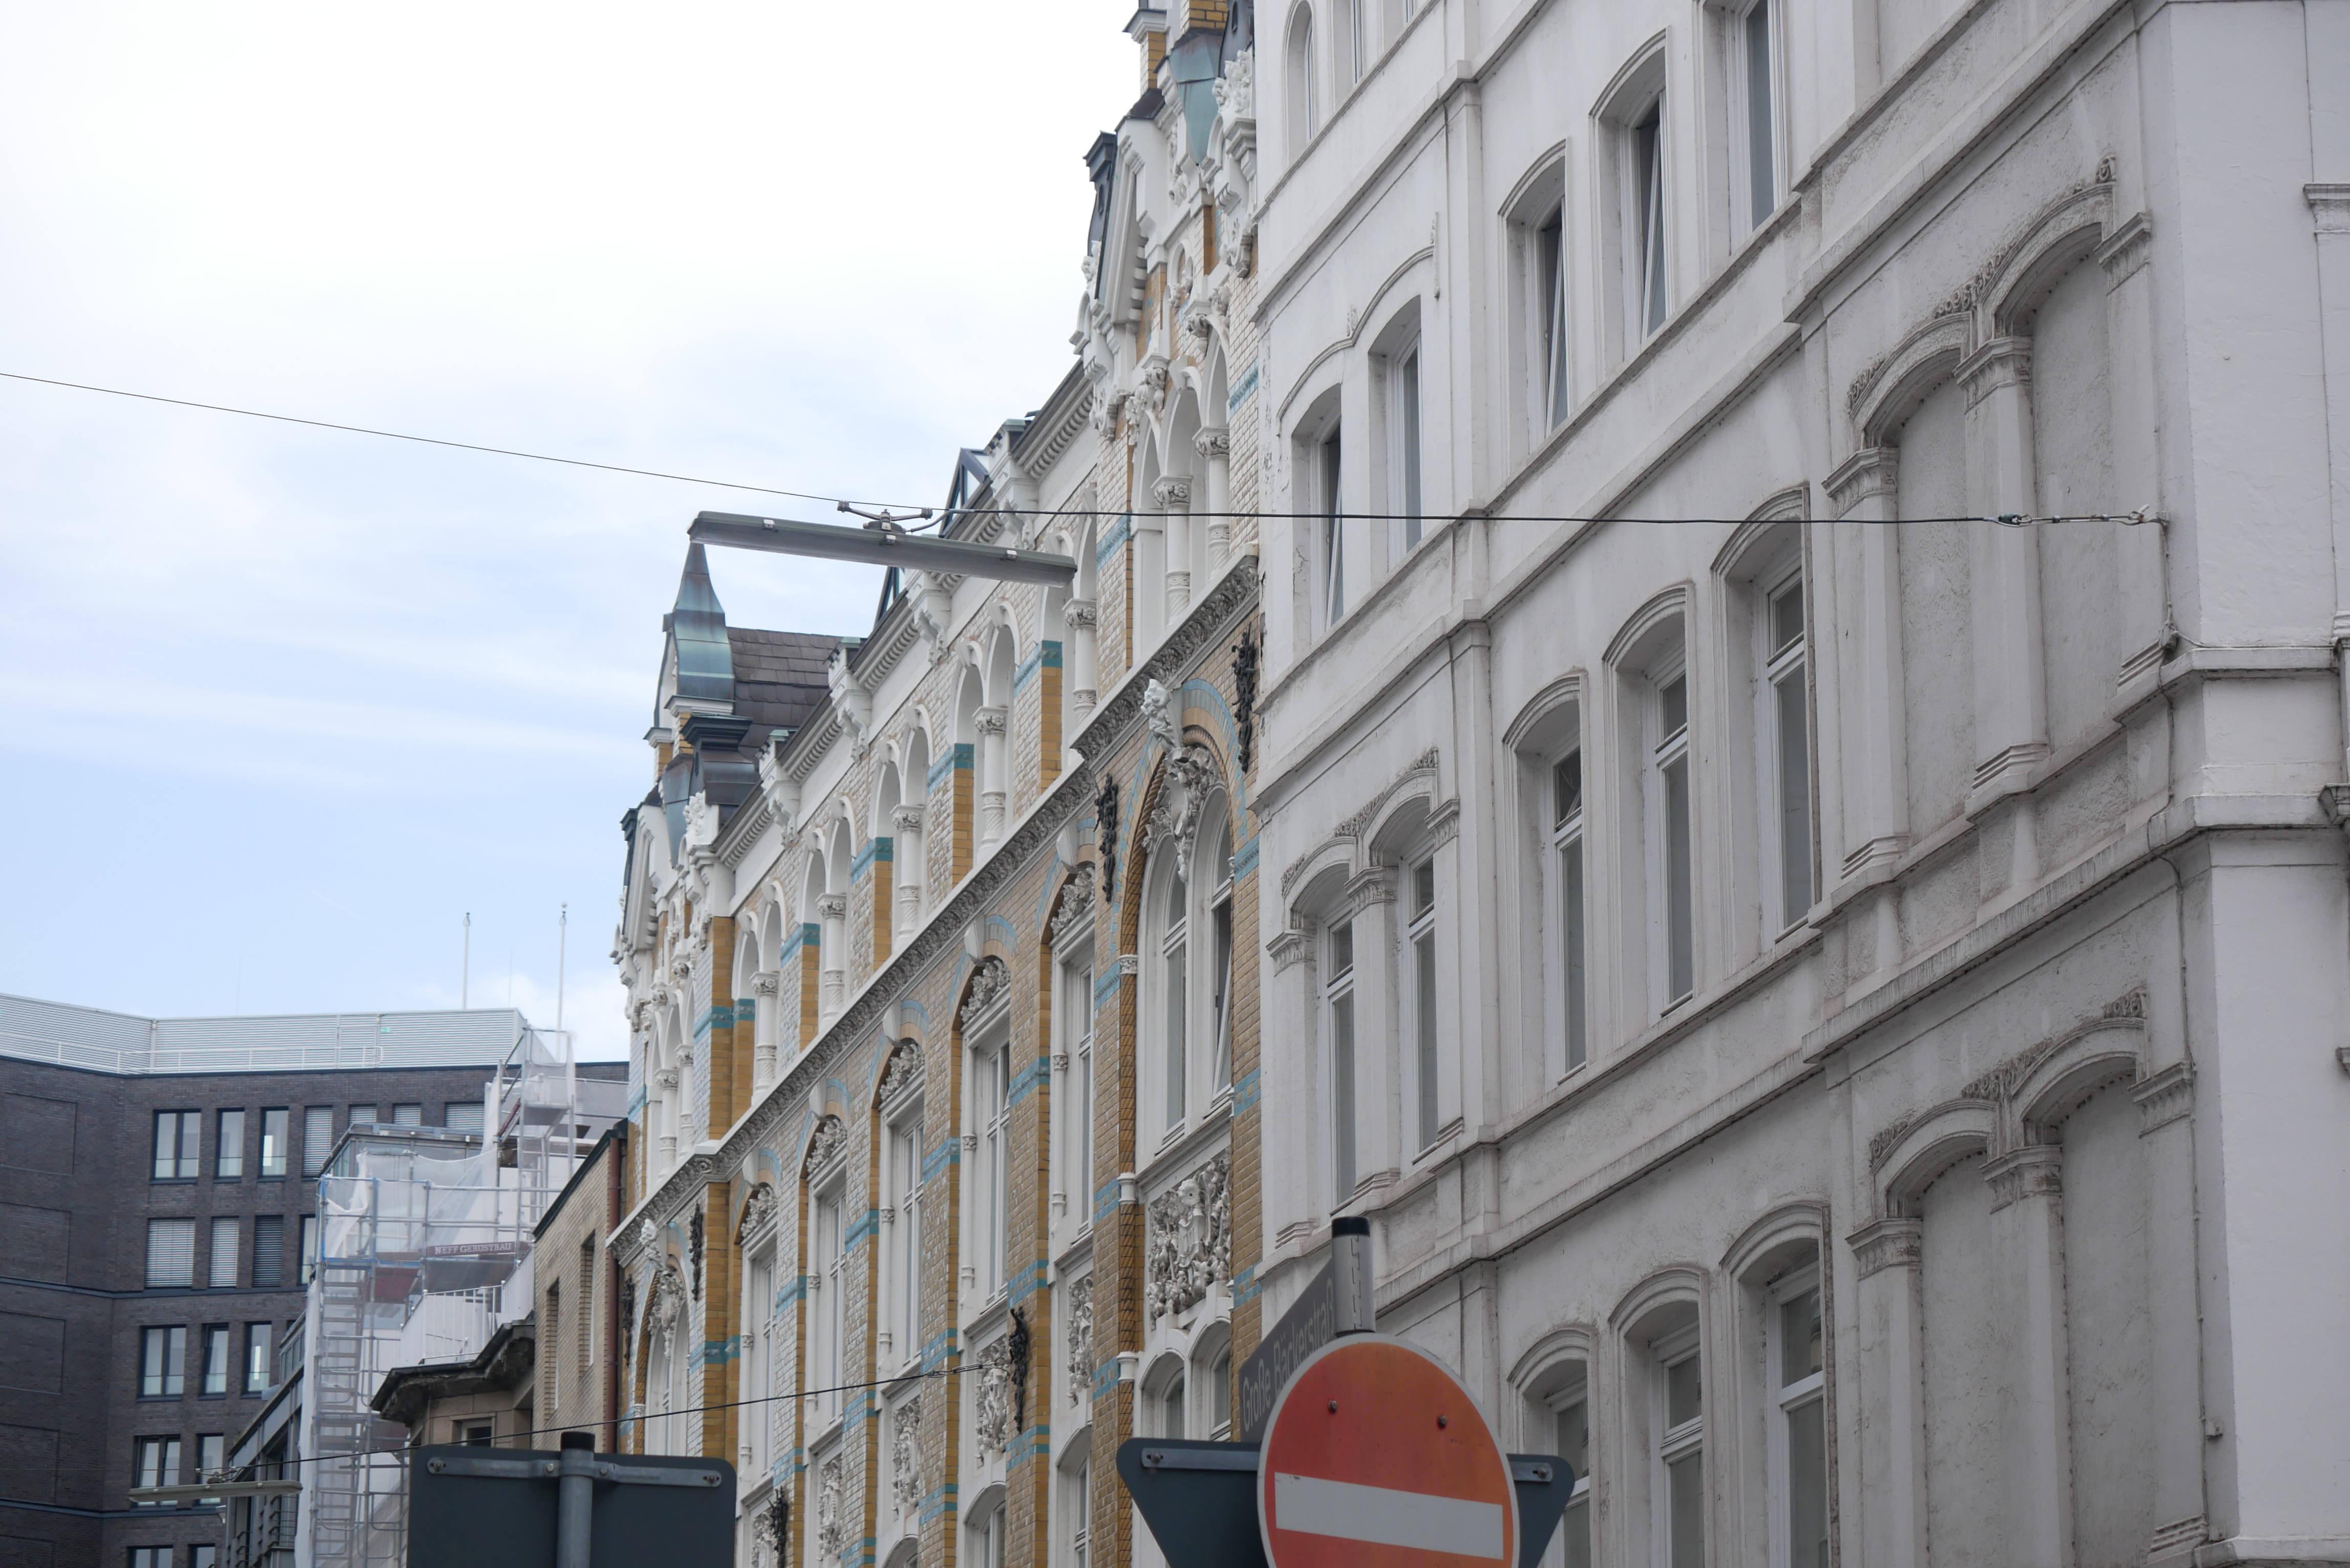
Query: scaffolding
x: 424, y: 1240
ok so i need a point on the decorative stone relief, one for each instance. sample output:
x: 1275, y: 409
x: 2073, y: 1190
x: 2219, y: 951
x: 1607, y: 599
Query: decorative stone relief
x: 694, y: 1237
x: 903, y: 1071
x: 766, y: 982
x: 905, y: 1455
x: 823, y: 1143
x: 906, y: 820
x: 663, y: 1300
x: 987, y: 983
x: 1244, y: 699
x: 1077, y: 908
x: 1106, y: 836
x: 1188, y: 1246
x: 758, y: 1212
x: 1080, y: 1364
x: 830, y: 1481
x: 993, y: 1399
x: 1190, y: 775
x: 1158, y: 718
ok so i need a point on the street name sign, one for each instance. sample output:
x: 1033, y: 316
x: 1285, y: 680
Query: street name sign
x: 1377, y: 1457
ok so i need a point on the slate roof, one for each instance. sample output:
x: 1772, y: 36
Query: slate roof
x: 779, y: 677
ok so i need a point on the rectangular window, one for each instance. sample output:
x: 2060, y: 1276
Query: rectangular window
x: 831, y: 1283
x: 221, y: 1270
x: 204, y: 1554
x: 1334, y: 530
x: 268, y: 1251
x: 217, y: 1357
x: 477, y: 1434
x: 163, y: 1362
x: 1550, y: 268
x: 257, y: 1341
x: 583, y: 1350
x: 1176, y: 982
x: 1647, y: 138
x: 1575, y: 1448
x: 408, y: 1115
x: 758, y: 1356
x: 1673, y: 848
x: 1420, y: 933
x: 170, y: 1253
x: 1791, y: 743
x: 362, y: 1114
x: 273, y: 1141
x: 1759, y: 143
x: 150, y: 1556
x: 1081, y: 1075
x: 1407, y: 398
x: 1680, y: 1454
x: 995, y: 1149
x: 211, y: 1456
x: 551, y: 1348
x: 906, y: 1151
x: 1339, y: 1004
x: 1220, y: 999
x: 462, y: 1116
x: 309, y: 1248
x: 176, y: 1133
x: 1799, y: 1477
x: 1080, y: 1512
x: 1566, y: 847
x: 318, y: 1138
x: 155, y: 1461
x: 228, y: 1147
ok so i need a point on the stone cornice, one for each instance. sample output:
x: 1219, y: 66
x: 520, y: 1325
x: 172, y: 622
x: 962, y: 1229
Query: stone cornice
x: 1210, y: 618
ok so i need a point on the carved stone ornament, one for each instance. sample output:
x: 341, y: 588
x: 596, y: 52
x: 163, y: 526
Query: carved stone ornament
x: 1158, y: 718
x: 989, y: 720
x: 1106, y: 836
x: 766, y: 981
x: 993, y: 1400
x: 1152, y: 375
x: 1182, y: 794
x: 823, y: 1143
x: 1244, y: 699
x: 663, y: 1302
x: 905, y: 1455
x: 694, y: 1239
x: 1173, y: 492
x: 758, y: 1212
x: 1188, y: 1246
x: 987, y: 983
x: 905, y: 820
x: 1081, y: 1340
x: 830, y: 1484
x: 903, y: 1073
x: 832, y: 906
x: 627, y: 1317
x: 1077, y: 908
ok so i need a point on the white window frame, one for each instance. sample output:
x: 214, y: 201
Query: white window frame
x: 1673, y: 930
x: 1329, y: 481
x: 759, y: 1339
x: 1573, y: 1395
x: 992, y: 1107
x: 1356, y: 15
x: 1174, y: 1002
x: 1407, y: 442
x: 1673, y: 1445
x: 1218, y: 972
x: 1752, y: 207
x: 1785, y: 669
x: 1548, y: 278
x: 1077, y: 1087
x: 908, y: 1146
x: 1570, y: 878
x: 1787, y: 1399
x: 1076, y: 1492
x: 1342, y: 1037
x: 1418, y: 966
x: 1647, y: 229
x: 827, y: 1287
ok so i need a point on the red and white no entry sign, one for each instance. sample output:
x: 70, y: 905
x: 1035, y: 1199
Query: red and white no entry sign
x: 1377, y: 1458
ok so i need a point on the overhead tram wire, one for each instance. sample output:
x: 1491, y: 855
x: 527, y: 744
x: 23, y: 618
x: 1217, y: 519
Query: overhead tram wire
x: 939, y: 517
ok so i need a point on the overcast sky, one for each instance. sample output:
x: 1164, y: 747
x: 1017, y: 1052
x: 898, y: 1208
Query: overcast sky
x: 281, y: 705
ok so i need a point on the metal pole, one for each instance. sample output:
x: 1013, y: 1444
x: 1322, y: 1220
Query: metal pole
x: 1350, y: 1273
x: 466, y: 965
x: 574, y: 1507
x: 562, y: 935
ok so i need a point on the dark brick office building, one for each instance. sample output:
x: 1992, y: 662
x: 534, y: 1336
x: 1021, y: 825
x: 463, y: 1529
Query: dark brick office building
x: 156, y: 1207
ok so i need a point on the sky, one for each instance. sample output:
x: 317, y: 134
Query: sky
x: 279, y: 706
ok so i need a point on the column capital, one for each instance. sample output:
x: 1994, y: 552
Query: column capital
x: 1081, y: 615
x: 832, y: 906
x: 1213, y: 442
x: 2036, y: 1170
x: 1895, y: 1244
x: 1869, y: 473
x: 904, y: 819
x: 1173, y: 492
x: 2001, y: 362
x: 988, y: 721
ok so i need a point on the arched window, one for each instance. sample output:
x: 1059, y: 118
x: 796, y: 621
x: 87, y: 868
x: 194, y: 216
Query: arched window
x: 1303, y: 107
x: 1219, y: 951
x: 1173, y: 953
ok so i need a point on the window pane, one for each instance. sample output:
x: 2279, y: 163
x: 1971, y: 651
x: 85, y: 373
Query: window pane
x: 1649, y: 174
x: 309, y: 1247
x: 229, y: 1146
x: 1684, y: 1393
x: 1178, y: 983
x: 1423, y: 887
x: 1407, y: 393
x: 217, y: 1359
x: 1342, y: 948
x: 1673, y: 701
x: 268, y: 1250
x: 1342, y: 1099
x: 1424, y: 985
x: 1570, y: 883
x: 463, y: 1118
x: 222, y: 1273
x: 1574, y: 1534
x: 1680, y: 916
x: 1799, y: 1337
x: 257, y: 1357
x: 1334, y: 537
x: 1763, y: 192
x: 1807, y: 1484
x: 1786, y: 609
x: 318, y: 1138
x: 1172, y: 1407
x: 1794, y: 800
x: 171, y: 1252
x: 1566, y: 787
x: 272, y: 1142
x: 1220, y: 1066
x: 1219, y: 1392
x: 1575, y: 1439
x: 1685, y: 1503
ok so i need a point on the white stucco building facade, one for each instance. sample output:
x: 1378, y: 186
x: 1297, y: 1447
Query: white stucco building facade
x: 1835, y: 1016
